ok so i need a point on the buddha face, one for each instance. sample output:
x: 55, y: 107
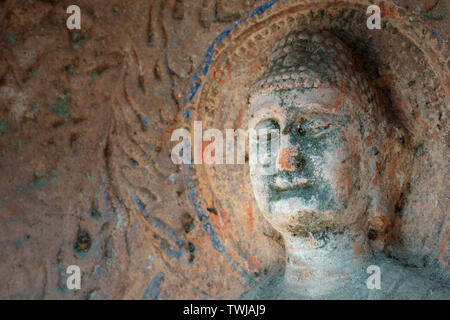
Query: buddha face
x: 304, y: 172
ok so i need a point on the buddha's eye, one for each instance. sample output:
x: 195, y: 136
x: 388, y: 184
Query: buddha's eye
x: 320, y: 129
x: 267, y: 130
x: 300, y: 126
x: 301, y: 130
x: 315, y: 127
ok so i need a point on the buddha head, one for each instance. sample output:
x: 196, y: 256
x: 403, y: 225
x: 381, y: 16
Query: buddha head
x: 319, y: 130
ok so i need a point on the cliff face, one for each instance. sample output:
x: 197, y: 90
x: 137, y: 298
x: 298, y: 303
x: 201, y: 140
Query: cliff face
x: 86, y: 118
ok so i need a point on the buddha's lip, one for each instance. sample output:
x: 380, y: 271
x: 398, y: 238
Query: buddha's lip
x: 296, y: 183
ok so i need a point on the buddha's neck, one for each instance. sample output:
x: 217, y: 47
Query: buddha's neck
x: 320, y: 263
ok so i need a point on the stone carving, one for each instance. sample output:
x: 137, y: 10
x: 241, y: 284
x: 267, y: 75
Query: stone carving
x: 104, y: 166
x: 323, y: 189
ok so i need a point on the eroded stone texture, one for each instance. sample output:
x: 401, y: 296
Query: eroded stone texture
x: 85, y: 124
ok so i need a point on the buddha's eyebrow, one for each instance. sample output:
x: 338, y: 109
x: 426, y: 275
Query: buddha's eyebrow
x: 254, y: 109
x: 262, y: 109
x: 265, y: 102
x: 315, y: 108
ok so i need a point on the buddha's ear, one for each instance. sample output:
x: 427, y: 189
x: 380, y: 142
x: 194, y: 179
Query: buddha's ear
x: 389, y: 187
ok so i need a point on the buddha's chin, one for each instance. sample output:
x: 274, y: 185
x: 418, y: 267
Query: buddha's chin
x: 291, y: 206
x: 296, y: 217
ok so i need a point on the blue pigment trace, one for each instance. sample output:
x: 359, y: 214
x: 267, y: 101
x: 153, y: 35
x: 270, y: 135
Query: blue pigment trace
x: 153, y: 289
x: 157, y: 223
x: 193, y: 87
x: 203, y: 69
x: 144, y: 120
x: 436, y: 34
x: 208, y: 227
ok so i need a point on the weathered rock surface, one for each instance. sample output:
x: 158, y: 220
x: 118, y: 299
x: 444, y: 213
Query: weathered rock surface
x: 85, y: 123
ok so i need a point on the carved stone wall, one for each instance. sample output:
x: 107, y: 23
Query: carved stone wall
x: 86, y: 118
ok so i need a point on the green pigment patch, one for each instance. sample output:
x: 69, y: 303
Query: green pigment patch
x: 133, y: 162
x: 39, y: 182
x: 69, y: 68
x: 21, y: 241
x: 92, y: 295
x: 77, y: 40
x: 60, y: 271
x: 12, y: 38
x: 94, y: 74
x: 60, y: 106
x: 95, y: 213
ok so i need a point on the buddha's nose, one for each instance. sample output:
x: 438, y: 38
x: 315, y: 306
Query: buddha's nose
x: 290, y: 160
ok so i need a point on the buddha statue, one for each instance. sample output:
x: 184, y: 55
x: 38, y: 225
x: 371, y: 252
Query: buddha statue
x: 319, y: 182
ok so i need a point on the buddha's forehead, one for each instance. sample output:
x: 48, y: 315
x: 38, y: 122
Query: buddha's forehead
x: 314, y: 100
